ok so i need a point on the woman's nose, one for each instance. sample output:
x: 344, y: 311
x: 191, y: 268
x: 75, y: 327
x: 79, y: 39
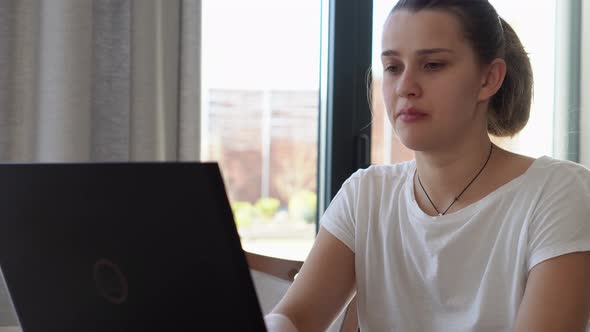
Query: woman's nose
x: 408, y: 86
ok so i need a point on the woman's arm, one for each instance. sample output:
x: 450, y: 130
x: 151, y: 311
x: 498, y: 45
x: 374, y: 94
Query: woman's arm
x: 557, y: 295
x: 322, y: 287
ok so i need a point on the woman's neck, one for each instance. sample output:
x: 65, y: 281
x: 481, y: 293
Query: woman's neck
x: 445, y: 174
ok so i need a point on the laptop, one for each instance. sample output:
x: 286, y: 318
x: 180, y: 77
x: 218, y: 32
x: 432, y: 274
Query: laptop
x: 123, y: 247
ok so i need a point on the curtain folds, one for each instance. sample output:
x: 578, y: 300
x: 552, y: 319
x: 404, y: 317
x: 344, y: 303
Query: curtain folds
x: 99, y: 80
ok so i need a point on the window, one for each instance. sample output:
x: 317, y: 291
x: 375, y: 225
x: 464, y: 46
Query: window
x: 261, y: 62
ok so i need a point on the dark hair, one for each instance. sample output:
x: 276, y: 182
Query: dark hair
x: 491, y: 37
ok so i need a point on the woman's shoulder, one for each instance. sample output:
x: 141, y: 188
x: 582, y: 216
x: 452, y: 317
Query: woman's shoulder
x: 550, y: 162
x: 562, y: 171
x: 557, y: 179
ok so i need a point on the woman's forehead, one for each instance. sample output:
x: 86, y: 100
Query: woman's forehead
x: 407, y: 31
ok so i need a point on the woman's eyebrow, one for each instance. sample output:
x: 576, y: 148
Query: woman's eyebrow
x: 426, y: 51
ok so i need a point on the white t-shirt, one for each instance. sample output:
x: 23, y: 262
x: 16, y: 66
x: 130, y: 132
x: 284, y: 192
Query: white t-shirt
x: 464, y: 271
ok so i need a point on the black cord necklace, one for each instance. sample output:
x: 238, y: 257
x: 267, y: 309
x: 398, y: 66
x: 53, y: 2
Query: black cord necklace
x: 456, y: 198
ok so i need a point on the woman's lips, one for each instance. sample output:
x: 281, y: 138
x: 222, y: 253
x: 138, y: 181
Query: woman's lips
x: 411, y: 115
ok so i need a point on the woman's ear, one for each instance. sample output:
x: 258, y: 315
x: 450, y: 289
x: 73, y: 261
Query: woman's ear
x: 493, y: 76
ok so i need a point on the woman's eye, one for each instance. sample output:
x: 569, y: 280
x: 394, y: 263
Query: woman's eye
x: 434, y: 66
x: 393, y: 69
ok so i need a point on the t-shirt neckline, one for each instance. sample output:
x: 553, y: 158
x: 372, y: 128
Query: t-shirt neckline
x: 470, y: 209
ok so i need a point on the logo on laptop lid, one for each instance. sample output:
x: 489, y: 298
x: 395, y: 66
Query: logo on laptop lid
x: 110, y: 281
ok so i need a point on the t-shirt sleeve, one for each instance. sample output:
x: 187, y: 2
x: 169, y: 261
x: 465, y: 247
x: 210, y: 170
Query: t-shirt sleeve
x: 561, y: 224
x: 339, y: 217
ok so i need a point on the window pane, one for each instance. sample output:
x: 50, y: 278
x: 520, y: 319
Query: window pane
x: 536, y: 30
x: 260, y: 117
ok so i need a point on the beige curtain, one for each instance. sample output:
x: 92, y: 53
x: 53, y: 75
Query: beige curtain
x: 102, y: 80
x: 98, y: 80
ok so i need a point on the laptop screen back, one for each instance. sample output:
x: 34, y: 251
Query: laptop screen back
x: 123, y: 247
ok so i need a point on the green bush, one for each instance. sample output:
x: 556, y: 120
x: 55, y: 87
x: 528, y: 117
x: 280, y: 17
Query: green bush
x: 267, y: 207
x: 244, y: 213
x: 303, y: 205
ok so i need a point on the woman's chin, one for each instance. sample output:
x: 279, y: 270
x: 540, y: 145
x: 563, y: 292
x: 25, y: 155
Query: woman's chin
x: 413, y: 141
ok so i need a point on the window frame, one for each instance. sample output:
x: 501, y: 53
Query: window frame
x: 568, y: 64
x: 345, y: 116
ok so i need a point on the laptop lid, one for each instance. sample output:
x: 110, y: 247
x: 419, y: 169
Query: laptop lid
x: 123, y: 247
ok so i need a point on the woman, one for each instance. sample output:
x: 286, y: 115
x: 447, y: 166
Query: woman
x: 468, y: 236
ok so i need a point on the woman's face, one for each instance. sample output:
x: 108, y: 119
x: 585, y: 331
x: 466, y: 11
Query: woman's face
x: 431, y: 80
